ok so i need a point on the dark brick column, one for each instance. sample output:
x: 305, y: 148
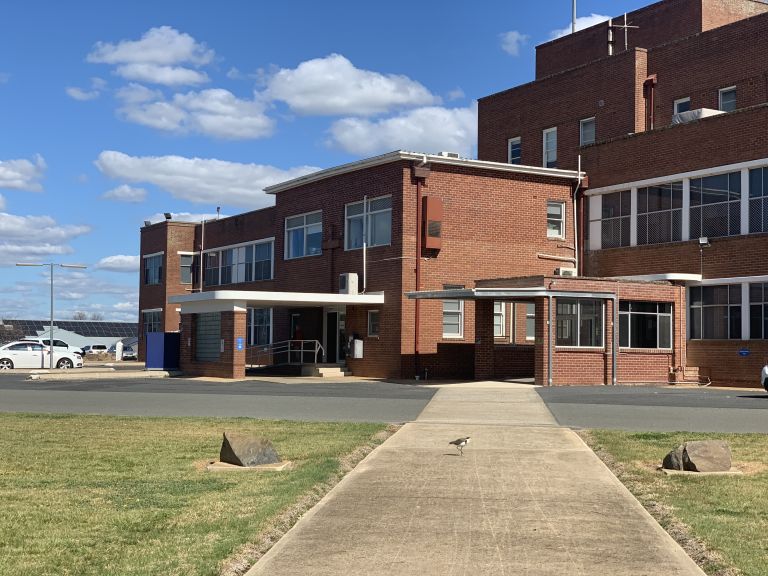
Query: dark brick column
x: 542, y: 345
x: 484, y: 339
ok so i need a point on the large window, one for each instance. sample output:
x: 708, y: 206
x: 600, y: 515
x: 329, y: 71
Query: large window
x: 660, y: 213
x: 727, y: 98
x: 153, y: 269
x: 579, y: 322
x: 758, y: 200
x: 185, y: 268
x: 499, y: 319
x: 645, y: 324
x: 258, y: 328
x: 716, y: 205
x: 303, y: 235
x: 453, y: 315
x: 682, y: 105
x: 371, y: 219
x: 249, y: 263
x: 152, y: 320
x: 587, y: 131
x: 715, y: 312
x: 550, y: 148
x: 615, y: 219
x: 555, y: 219
x: 758, y: 311
x: 514, y: 151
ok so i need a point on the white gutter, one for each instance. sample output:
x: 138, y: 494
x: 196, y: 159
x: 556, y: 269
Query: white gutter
x: 420, y: 157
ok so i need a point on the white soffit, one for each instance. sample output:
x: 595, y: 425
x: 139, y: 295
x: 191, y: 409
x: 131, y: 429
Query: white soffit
x: 667, y: 276
x: 216, y: 298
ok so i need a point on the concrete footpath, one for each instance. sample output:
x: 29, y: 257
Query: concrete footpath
x: 528, y: 497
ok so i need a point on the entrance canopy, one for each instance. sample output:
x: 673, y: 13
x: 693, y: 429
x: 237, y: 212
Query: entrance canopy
x: 497, y: 293
x: 225, y: 300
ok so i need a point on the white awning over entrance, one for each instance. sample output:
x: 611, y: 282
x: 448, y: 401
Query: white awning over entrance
x: 226, y: 300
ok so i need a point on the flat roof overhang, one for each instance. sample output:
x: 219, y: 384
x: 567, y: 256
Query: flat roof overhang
x: 667, y: 276
x: 502, y: 294
x: 228, y: 300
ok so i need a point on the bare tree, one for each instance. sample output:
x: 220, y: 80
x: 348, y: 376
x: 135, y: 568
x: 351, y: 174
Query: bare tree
x: 97, y: 316
x: 79, y: 315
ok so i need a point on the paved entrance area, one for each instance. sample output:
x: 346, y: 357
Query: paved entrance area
x: 527, y: 497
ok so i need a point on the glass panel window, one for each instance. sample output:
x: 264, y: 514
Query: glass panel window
x: 660, y: 213
x: 185, y: 268
x: 682, y: 105
x: 153, y: 269
x: 499, y: 319
x: 587, y: 131
x: 715, y: 312
x: 550, y: 148
x: 758, y: 200
x: 728, y: 99
x: 514, y: 151
x: 715, y: 205
x: 152, y: 321
x: 258, y: 327
x: 615, y: 219
x: 249, y: 263
x: 758, y: 311
x: 303, y: 235
x: 453, y: 316
x: 555, y: 220
x: 645, y: 325
x: 530, y: 321
x: 369, y: 220
x: 374, y: 318
x: 579, y: 322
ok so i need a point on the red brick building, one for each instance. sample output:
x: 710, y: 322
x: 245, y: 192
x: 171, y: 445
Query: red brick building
x: 667, y: 117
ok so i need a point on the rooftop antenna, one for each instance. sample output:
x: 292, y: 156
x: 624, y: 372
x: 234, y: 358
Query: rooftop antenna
x: 573, y: 19
x: 625, y: 27
x: 218, y: 212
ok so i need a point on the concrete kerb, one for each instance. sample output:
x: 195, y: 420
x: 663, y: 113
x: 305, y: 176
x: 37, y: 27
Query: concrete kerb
x: 527, y: 497
x: 99, y: 374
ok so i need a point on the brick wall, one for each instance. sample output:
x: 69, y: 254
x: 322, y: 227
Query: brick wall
x: 719, y: 360
x: 231, y: 362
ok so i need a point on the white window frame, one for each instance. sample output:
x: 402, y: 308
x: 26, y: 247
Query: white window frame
x: 250, y: 323
x: 582, y: 123
x: 286, y: 251
x: 631, y: 316
x: 519, y: 141
x: 366, y: 215
x: 371, y: 333
x: 679, y: 101
x: 550, y: 234
x: 720, y: 97
x: 578, y: 324
x: 459, y: 312
x: 237, y: 264
x: 546, y: 152
x: 182, y: 266
x: 502, y: 316
x: 159, y: 312
x: 160, y: 270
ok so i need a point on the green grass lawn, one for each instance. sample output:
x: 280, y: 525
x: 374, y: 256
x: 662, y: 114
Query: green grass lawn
x: 82, y: 495
x: 728, y: 514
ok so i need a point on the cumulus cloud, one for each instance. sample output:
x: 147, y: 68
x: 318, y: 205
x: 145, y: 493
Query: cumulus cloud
x: 97, y: 86
x: 118, y: 263
x: 512, y: 41
x: 183, y: 217
x: 430, y: 129
x: 582, y: 22
x: 32, y: 237
x: 125, y: 193
x: 214, y: 112
x: 22, y: 174
x: 166, y: 75
x: 200, y: 180
x: 2, y: 202
x: 456, y: 94
x: 333, y: 86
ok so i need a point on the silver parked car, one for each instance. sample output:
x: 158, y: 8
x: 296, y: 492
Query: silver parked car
x: 22, y: 354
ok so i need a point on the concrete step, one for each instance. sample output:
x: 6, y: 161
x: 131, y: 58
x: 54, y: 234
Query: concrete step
x: 333, y: 371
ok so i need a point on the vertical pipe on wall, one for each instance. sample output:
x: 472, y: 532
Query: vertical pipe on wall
x: 417, y: 311
x: 549, y: 343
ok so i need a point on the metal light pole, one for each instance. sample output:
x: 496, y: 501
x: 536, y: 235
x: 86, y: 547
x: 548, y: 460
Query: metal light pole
x: 51, y: 265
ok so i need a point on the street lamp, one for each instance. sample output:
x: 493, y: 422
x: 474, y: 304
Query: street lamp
x: 51, y: 265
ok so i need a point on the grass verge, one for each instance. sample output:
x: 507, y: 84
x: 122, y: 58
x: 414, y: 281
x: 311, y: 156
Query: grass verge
x: 721, y: 521
x: 88, y: 495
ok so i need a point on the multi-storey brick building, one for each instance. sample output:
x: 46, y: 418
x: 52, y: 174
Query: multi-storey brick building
x: 664, y: 109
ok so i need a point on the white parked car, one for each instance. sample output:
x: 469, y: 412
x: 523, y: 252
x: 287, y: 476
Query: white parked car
x: 94, y: 349
x: 60, y: 345
x: 22, y: 354
x: 764, y: 377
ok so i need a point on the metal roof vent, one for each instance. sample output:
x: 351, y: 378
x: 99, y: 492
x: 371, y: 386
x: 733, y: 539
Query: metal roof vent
x: 449, y: 154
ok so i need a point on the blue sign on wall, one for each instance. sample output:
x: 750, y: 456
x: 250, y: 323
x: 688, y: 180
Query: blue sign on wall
x: 744, y: 352
x: 239, y: 343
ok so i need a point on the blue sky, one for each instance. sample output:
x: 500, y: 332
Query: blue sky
x: 113, y: 113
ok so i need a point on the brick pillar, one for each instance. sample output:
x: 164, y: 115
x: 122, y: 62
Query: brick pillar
x: 187, y: 344
x: 484, y: 339
x: 608, y: 343
x: 232, y: 360
x: 541, y: 345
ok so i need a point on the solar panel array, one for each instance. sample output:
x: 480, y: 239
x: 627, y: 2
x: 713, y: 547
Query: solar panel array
x: 86, y: 328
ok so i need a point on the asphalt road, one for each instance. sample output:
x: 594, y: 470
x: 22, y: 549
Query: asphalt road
x: 659, y: 408
x: 347, y: 401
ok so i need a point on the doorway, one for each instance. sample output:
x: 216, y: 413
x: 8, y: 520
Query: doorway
x: 335, y: 351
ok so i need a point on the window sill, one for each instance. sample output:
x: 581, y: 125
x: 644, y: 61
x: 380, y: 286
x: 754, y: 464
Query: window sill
x: 580, y: 349
x: 367, y: 247
x: 558, y: 238
x: 452, y: 337
x: 302, y: 257
x: 623, y: 350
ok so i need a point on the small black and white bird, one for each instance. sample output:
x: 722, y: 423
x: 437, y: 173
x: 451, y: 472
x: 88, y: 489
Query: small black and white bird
x: 460, y: 443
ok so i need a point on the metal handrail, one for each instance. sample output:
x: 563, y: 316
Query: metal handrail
x: 286, y: 352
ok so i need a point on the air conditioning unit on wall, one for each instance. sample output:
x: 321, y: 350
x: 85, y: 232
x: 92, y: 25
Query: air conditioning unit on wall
x: 348, y: 283
x: 565, y: 271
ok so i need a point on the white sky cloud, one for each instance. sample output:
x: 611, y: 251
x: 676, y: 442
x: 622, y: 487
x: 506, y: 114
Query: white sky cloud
x: 582, y: 22
x: 82, y: 95
x: 118, y: 263
x: 28, y: 238
x: 456, y: 94
x: 125, y: 193
x: 333, y: 86
x: 215, y: 112
x: 431, y: 129
x: 22, y: 174
x: 2, y: 202
x: 200, y: 180
x: 156, y: 57
x: 512, y: 41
